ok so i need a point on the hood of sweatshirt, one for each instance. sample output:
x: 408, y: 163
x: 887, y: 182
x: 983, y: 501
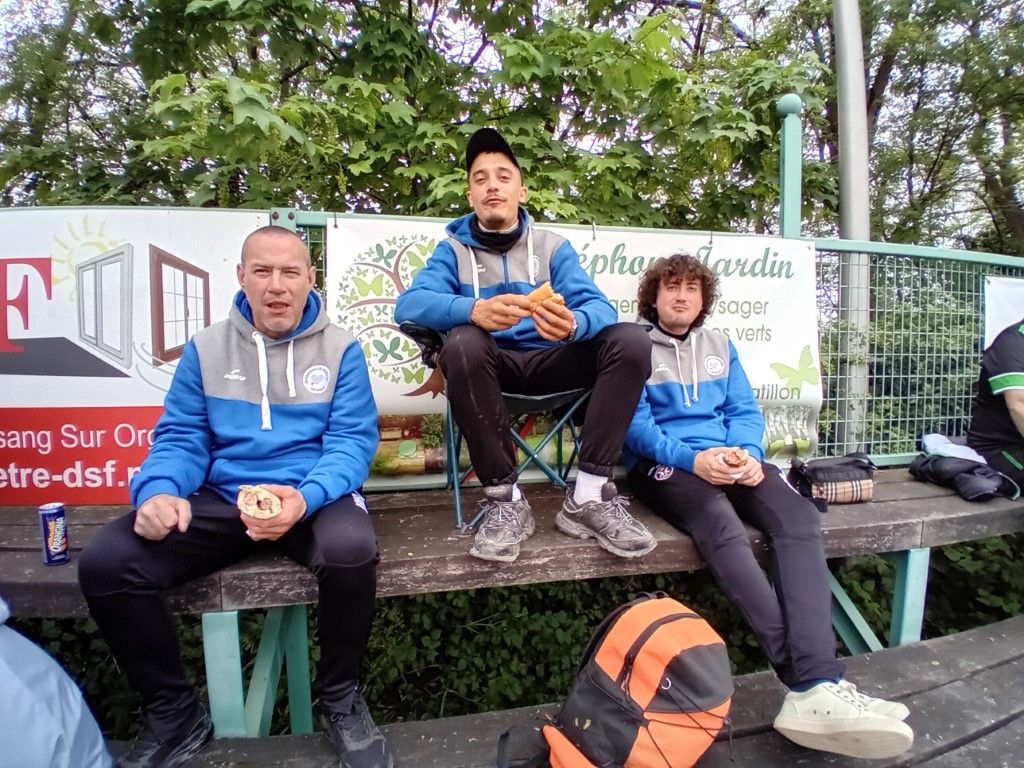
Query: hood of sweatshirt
x: 314, y: 320
x: 461, y: 229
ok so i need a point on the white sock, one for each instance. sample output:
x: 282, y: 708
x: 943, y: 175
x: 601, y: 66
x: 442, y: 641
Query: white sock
x: 516, y: 493
x: 588, y: 487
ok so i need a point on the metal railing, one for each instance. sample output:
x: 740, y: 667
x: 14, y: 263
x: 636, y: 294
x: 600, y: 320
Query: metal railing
x: 909, y: 366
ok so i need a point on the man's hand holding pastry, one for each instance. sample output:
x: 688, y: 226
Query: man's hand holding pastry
x: 501, y: 312
x: 728, y: 465
x: 552, y: 319
x: 259, y: 510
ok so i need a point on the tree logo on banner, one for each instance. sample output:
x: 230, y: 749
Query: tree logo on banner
x: 366, y: 304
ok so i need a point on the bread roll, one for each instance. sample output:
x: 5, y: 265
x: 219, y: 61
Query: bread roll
x: 257, y: 501
x: 542, y: 292
x: 736, y: 457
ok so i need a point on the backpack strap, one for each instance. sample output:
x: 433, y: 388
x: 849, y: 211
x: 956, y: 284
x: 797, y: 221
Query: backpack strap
x: 531, y: 746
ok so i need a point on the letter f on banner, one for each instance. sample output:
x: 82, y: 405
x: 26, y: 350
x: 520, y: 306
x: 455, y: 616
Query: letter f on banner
x: 20, y: 300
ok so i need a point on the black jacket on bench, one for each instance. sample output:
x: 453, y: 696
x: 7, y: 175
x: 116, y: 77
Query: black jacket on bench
x: 972, y: 480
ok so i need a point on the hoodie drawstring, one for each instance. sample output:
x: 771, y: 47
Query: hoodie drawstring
x: 529, y: 255
x: 476, y: 273
x: 693, y: 372
x: 261, y: 354
x: 693, y: 360
x: 290, y: 370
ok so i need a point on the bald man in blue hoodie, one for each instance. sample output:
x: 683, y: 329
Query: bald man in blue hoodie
x: 278, y: 396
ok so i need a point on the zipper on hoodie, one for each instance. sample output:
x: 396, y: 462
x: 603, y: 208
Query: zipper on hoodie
x: 504, y: 266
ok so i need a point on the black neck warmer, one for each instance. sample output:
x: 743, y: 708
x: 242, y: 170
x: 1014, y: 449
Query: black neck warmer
x: 680, y: 337
x: 496, y: 241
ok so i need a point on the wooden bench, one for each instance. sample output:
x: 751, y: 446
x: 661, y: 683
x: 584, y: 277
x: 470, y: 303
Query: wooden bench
x: 422, y: 553
x: 963, y: 692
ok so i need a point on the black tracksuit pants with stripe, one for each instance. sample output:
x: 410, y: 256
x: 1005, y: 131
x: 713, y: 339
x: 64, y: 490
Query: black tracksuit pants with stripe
x: 124, y: 576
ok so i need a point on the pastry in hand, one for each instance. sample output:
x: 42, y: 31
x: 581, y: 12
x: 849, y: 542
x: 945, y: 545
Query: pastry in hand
x: 257, y: 501
x: 735, y: 457
x: 542, y: 292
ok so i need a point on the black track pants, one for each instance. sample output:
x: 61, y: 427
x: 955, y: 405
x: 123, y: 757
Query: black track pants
x: 616, y: 363
x: 793, y: 620
x: 123, y: 577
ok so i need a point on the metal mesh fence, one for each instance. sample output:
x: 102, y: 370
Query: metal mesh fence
x: 900, y: 348
x: 316, y: 240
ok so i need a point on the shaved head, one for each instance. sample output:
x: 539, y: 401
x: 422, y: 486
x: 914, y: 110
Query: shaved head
x: 272, y: 231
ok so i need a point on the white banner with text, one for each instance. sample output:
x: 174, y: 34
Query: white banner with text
x: 98, y: 304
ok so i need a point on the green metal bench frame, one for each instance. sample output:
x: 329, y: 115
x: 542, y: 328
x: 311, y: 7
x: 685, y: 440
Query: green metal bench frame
x: 240, y: 712
x: 237, y: 711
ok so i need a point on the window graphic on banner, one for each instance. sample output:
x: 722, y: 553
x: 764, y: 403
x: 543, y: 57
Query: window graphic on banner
x: 104, y: 286
x: 181, y: 304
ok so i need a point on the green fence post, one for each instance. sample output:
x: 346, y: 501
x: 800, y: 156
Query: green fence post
x: 791, y: 171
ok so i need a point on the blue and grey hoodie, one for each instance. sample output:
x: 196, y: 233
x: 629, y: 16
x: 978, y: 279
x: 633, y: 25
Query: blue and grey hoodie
x: 461, y: 270
x: 247, y: 409
x: 697, y: 397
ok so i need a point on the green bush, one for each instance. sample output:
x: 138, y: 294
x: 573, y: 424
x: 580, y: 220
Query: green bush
x: 476, y: 650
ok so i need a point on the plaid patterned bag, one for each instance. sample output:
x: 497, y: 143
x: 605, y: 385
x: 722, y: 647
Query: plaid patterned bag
x: 834, y: 480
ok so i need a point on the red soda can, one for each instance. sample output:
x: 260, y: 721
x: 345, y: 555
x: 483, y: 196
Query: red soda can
x: 56, y: 548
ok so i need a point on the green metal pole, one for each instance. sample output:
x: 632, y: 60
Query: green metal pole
x: 223, y: 654
x: 791, y: 171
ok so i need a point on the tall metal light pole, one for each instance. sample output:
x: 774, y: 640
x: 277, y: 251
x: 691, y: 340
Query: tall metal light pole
x: 854, y: 224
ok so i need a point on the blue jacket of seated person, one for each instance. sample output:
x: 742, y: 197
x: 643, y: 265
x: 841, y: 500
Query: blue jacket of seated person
x: 247, y: 409
x: 461, y: 270
x: 697, y: 397
x: 44, y: 722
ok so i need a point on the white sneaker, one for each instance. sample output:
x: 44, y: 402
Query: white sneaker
x: 893, y: 709
x: 833, y: 718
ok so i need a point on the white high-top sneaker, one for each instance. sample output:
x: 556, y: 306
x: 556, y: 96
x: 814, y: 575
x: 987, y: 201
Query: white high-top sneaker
x: 833, y: 718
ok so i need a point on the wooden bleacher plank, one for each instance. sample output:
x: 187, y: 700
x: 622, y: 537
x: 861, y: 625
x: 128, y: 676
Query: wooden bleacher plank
x: 1003, y: 747
x: 962, y: 691
x: 421, y: 551
x: 34, y: 590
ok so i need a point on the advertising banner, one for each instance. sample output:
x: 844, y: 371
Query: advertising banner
x: 766, y: 307
x: 98, y: 304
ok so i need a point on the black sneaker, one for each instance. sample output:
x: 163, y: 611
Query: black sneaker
x: 357, y: 738
x: 147, y: 751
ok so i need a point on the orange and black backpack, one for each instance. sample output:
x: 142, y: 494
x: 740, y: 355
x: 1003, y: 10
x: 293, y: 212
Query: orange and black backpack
x: 653, y: 690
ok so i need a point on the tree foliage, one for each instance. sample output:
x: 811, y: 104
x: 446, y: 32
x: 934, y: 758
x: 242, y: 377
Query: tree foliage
x: 642, y: 113
x: 620, y: 115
